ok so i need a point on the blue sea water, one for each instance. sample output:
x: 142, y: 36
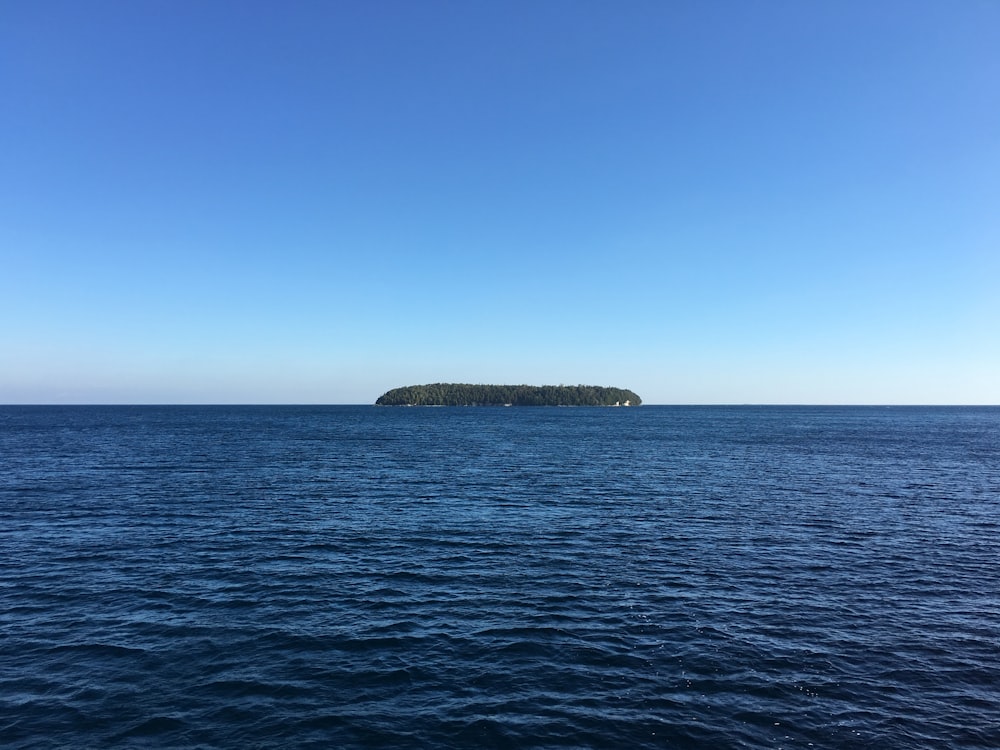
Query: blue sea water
x: 661, y: 577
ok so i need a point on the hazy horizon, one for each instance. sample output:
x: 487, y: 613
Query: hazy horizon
x: 730, y: 203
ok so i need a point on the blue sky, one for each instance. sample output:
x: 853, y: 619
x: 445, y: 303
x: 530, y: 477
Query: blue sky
x: 314, y: 202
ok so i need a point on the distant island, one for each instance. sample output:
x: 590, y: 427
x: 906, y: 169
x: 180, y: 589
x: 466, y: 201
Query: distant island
x: 463, y: 394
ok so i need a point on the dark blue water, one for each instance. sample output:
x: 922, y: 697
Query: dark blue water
x: 378, y: 577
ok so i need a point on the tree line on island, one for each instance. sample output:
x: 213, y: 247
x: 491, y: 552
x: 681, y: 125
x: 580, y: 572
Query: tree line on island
x: 464, y: 394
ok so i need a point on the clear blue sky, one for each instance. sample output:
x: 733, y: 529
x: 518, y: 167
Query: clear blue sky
x: 314, y: 202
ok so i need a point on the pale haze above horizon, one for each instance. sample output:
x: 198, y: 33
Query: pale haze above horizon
x: 315, y: 202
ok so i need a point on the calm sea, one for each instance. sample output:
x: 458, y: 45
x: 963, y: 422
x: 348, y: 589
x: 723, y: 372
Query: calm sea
x: 293, y: 577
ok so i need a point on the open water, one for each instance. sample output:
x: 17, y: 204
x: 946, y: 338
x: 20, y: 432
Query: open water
x: 294, y: 577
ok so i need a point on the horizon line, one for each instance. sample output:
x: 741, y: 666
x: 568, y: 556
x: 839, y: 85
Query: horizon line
x: 673, y: 405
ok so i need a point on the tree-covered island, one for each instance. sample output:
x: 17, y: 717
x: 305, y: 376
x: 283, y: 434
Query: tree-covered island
x: 463, y: 394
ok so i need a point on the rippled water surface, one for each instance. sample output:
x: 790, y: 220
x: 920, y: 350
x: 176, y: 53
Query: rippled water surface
x: 378, y: 577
